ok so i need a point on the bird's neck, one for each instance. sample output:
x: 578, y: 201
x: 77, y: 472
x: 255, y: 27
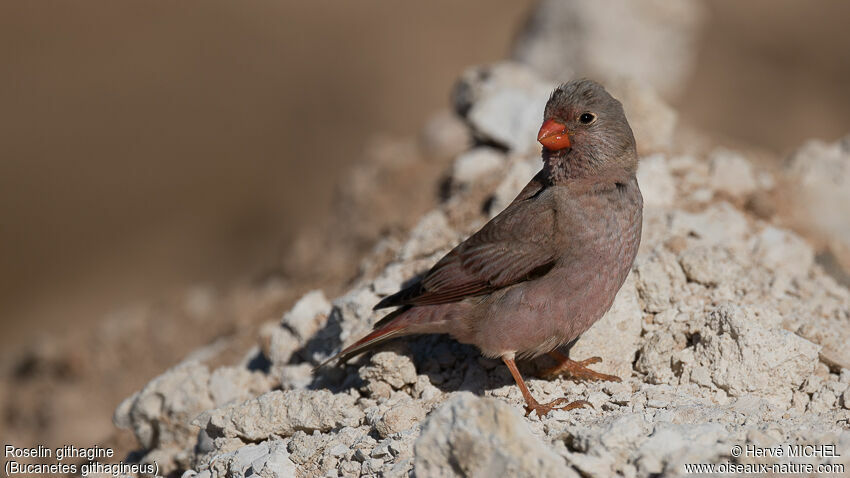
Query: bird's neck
x: 566, y: 166
x: 560, y: 171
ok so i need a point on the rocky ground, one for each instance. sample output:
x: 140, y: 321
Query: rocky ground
x: 731, y: 329
x: 728, y: 332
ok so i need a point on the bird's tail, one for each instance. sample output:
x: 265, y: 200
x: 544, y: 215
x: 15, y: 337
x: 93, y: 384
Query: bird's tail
x: 391, y: 326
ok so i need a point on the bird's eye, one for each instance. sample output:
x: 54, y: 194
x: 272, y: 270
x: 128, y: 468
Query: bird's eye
x: 587, y: 118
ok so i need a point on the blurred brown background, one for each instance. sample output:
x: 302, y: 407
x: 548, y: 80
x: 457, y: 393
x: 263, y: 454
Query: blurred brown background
x: 147, y: 146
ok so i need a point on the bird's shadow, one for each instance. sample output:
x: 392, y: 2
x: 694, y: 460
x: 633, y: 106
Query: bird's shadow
x: 449, y: 365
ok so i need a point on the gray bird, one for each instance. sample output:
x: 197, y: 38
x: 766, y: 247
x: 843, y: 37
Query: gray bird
x: 546, y: 268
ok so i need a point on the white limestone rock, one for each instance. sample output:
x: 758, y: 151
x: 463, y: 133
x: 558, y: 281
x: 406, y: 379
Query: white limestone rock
x: 482, y: 437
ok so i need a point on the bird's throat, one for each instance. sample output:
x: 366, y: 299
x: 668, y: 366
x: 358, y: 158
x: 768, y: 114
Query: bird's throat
x: 568, y: 164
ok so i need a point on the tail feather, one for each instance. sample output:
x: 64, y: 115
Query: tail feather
x: 385, y: 329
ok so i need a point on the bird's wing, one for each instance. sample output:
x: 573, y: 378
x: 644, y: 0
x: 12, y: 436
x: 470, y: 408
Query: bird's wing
x: 538, y: 183
x: 514, y: 246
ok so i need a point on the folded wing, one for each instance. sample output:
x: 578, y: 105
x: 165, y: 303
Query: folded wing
x: 514, y: 246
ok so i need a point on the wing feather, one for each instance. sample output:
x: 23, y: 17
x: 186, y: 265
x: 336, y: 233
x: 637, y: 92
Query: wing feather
x: 514, y: 246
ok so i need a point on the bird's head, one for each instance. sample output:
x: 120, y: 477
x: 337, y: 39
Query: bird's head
x: 585, y: 131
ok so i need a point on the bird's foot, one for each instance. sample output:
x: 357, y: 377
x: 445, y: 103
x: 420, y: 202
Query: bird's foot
x: 542, y: 409
x: 531, y: 405
x: 577, y: 370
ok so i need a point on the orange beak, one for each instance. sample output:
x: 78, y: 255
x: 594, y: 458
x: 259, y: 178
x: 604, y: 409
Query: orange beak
x: 553, y: 136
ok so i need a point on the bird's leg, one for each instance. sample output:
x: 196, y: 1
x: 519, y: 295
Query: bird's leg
x: 531, y: 405
x: 576, y: 370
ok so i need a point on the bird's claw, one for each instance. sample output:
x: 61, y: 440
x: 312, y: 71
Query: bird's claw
x: 579, y: 370
x: 589, y: 361
x: 542, y: 409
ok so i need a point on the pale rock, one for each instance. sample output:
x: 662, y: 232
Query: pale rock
x: 400, y: 417
x: 476, y: 436
x: 782, y: 250
x: 719, y: 223
x: 250, y: 457
x: 278, y: 464
x: 277, y: 343
x: 519, y: 173
x: 378, y: 389
x: 425, y: 391
x: 656, y: 181
x: 591, y: 464
x: 653, y: 121
x: 160, y: 414
x: 651, y: 41
x: 445, y: 135
x: 684, y: 164
x: 470, y: 166
x: 352, y: 316
x: 477, y: 83
x: 232, y: 384
x: 281, y: 413
x: 765, y: 180
x: 307, y: 315
x: 800, y: 400
x: 382, y: 450
x: 817, y: 310
x: 391, y: 368
x: 672, y: 445
x: 659, y: 278
x: 709, y: 265
x: 304, y: 447
x: 812, y: 384
x: 833, y: 335
x: 822, y: 369
x: 372, y: 466
x: 295, y: 376
x: 329, y: 466
x: 430, y: 235
x: 338, y: 450
x: 835, y: 386
x: 398, y: 470
x: 655, y: 232
x: 602, y: 449
x: 597, y: 399
x: 822, y: 401
x: 700, y: 195
x: 818, y: 192
x: 403, y: 446
x: 362, y: 444
x: 656, y: 355
x: 503, y: 103
x: 731, y: 173
x: 391, y: 279
x: 745, y: 358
